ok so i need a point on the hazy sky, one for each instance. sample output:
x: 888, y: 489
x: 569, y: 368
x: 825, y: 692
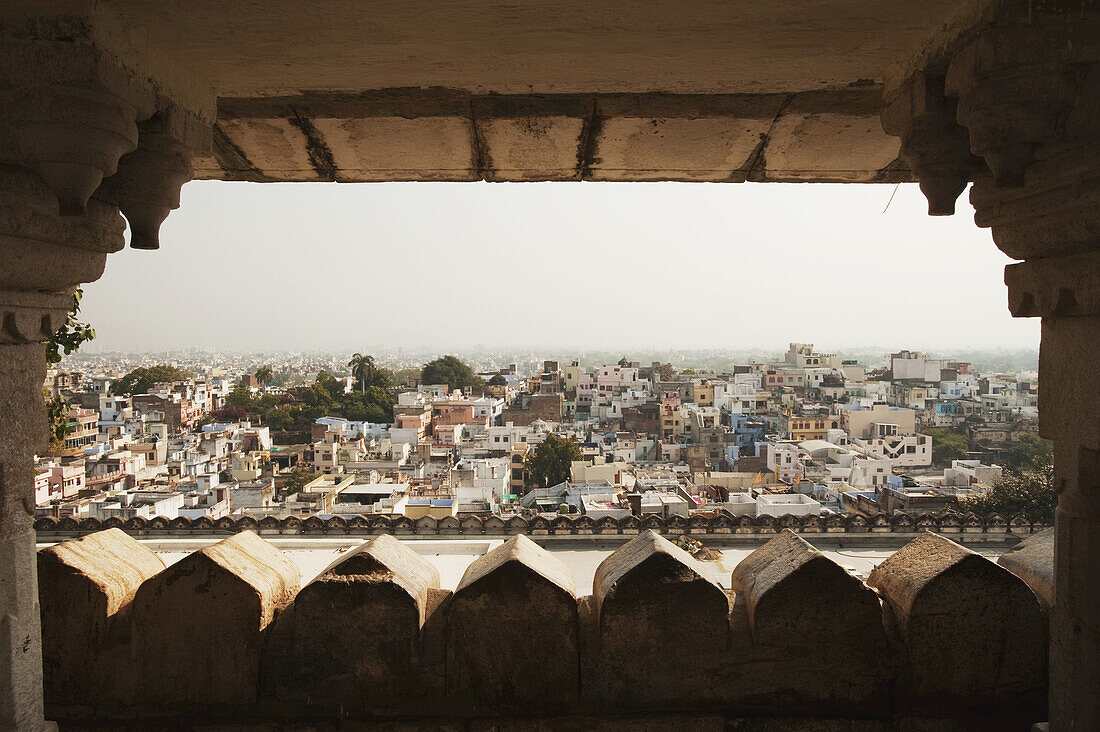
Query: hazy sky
x: 588, y: 265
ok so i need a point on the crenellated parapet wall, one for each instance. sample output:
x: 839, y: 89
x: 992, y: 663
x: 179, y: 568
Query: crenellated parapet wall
x: 992, y: 527
x: 938, y: 636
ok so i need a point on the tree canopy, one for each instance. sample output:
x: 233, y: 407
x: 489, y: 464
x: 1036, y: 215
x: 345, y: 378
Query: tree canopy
x: 451, y: 371
x: 1029, y: 452
x: 264, y: 375
x: 1029, y: 493
x: 367, y: 374
x: 550, y: 463
x: 325, y: 397
x: 947, y: 445
x: 141, y: 379
x: 298, y: 477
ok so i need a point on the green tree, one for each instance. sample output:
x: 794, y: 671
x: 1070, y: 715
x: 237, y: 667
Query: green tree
x: 405, y: 376
x: 65, y: 340
x: 241, y: 397
x: 71, y: 335
x: 368, y: 374
x: 141, y: 379
x: 1029, y: 493
x: 451, y: 371
x: 298, y: 477
x: 947, y: 445
x: 550, y: 463
x: 264, y: 375
x: 1029, y: 452
x: 373, y: 405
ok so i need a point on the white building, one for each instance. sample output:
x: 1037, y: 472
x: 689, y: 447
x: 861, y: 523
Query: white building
x: 784, y: 504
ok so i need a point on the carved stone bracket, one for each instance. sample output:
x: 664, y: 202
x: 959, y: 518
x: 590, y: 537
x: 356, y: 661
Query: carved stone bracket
x: 936, y: 148
x: 1022, y: 84
x: 146, y: 187
x: 73, y: 138
x: 45, y: 256
x: 69, y: 113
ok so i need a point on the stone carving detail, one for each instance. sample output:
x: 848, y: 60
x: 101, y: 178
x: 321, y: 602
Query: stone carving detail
x: 1017, y: 83
x: 933, y: 143
x: 45, y: 256
x: 28, y: 317
x: 1055, y: 286
x: 723, y: 524
x: 146, y: 187
x: 73, y: 137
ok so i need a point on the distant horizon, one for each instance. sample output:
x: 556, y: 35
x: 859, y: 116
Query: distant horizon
x: 91, y: 349
x: 987, y: 359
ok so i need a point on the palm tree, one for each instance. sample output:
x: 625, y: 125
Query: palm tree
x: 363, y: 369
x: 264, y: 375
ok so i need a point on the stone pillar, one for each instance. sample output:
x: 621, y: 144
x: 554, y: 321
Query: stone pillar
x: 1025, y: 87
x: 44, y: 257
x: 83, y: 133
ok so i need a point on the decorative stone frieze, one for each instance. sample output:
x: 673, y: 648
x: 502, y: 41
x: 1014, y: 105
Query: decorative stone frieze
x: 993, y: 528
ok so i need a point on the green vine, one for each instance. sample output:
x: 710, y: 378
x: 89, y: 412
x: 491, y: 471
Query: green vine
x: 66, y: 340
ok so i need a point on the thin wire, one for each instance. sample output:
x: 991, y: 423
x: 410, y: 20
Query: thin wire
x: 891, y: 197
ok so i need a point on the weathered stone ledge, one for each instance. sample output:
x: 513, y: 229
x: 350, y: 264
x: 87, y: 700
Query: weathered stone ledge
x: 938, y: 634
x: 993, y: 526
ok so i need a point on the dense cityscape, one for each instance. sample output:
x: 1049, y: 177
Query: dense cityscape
x: 801, y: 432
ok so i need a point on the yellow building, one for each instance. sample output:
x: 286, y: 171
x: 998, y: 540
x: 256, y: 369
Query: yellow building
x: 811, y: 428
x: 437, y: 508
x: 702, y: 393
